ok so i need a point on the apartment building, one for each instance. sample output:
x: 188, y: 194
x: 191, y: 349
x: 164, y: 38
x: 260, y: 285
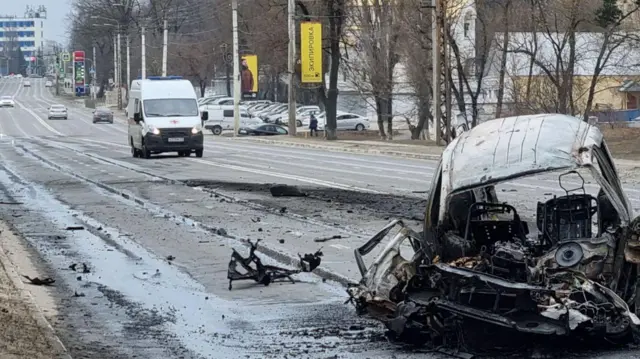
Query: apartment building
x: 28, y: 32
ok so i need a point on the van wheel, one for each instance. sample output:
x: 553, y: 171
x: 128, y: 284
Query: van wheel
x: 186, y: 153
x: 199, y: 153
x: 145, y: 152
x: 359, y: 127
x: 217, y: 130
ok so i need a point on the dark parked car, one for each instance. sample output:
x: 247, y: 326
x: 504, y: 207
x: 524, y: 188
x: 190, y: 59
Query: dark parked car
x: 102, y: 114
x: 263, y: 130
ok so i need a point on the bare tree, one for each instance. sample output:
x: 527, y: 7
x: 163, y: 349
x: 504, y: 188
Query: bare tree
x: 415, y: 48
x: 469, y: 35
x: 371, y: 66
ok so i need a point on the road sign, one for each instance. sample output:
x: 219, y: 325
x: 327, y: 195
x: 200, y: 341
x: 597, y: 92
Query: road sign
x: 66, y: 57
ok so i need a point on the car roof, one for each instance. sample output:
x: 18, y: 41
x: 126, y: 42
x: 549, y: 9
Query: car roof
x: 512, y: 147
x: 57, y: 105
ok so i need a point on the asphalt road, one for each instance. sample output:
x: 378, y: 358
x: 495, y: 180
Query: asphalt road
x: 135, y: 301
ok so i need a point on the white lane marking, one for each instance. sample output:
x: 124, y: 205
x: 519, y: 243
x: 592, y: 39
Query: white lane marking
x: 339, y: 246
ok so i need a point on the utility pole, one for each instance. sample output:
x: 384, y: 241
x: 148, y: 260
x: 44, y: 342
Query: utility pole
x: 58, y: 61
x: 435, y: 41
x: 236, y: 69
x: 144, y: 56
x: 291, y: 68
x: 93, y: 76
x: 164, y: 48
x: 119, y: 71
x: 115, y: 62
x: 128, y: 64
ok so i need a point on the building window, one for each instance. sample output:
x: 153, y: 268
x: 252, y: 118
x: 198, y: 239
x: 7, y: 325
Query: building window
x: 466, y: 28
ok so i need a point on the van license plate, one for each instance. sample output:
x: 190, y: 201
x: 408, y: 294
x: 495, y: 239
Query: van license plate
x: 176, y: 139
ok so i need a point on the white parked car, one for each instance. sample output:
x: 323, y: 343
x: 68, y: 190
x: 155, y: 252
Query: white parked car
x: 7, y: 101
x: 57, y: 111
x: 27, y: 84
x: 48, y: 84
x: 351, y: 121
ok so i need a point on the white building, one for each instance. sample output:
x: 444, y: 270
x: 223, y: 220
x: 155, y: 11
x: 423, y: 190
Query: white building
x: 28, y: 32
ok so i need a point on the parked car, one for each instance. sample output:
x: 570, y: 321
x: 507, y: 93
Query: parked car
x: 7, y: 101
x: 48, y: 84
x: 478, y: 268
x: 351, y: 121
x: 57, y: 111
x: 224, y: 120
x: 27, y: 84
x: 102, y: 114
x: 263, y: 130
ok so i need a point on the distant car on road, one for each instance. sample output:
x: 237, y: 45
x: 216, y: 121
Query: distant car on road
x: 102, y: 114
x: 27, y: 84
x: 7, y: 101
x: 48, y: 84
x: 263, y: 130
x: 57, y: 111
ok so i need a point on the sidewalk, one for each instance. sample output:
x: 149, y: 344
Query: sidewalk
x: 24, y: 331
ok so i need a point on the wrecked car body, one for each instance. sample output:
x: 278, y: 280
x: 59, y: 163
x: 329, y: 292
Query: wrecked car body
x: 570, y: 271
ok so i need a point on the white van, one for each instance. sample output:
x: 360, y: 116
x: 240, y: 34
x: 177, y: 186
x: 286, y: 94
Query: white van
x: 223, y: 120
x: 163, y: 116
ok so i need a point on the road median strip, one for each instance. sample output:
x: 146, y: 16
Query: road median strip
x: 345, y: 148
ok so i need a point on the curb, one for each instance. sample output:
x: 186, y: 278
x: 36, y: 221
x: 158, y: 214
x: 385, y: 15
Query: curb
x: 277, y: 255
x: 29, y: 301
x: 422, y: 156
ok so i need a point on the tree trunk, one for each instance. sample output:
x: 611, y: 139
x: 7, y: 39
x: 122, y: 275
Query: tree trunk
x: 336, y: 11
x: 389, y: 116
x: 380, y: 111
x: 503, y: 63
x: 203, y: 86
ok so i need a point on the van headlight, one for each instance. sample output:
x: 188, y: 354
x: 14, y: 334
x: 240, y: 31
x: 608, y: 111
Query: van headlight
x: 197, y: 129
x: 153, y: 130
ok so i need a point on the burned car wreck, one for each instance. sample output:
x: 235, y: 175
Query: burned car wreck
x: 479, y: 267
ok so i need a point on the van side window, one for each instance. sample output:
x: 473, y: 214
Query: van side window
x: 227, y: 113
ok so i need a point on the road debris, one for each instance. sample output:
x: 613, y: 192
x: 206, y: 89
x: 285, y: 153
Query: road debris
x: 75, y: 228
x: 38, y: 281
x: 170, y: 258
x: 325, y: 239
x: 266, y: 274
x: 283, y: 190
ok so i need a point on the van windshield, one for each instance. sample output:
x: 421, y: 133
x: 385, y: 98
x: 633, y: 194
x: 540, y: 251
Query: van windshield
x: 181, y: 107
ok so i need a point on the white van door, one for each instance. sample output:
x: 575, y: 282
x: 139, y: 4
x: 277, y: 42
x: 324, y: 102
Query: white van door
x: 135, y: 129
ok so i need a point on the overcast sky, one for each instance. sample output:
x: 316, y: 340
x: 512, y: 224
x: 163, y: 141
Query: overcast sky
x: 57, y: 10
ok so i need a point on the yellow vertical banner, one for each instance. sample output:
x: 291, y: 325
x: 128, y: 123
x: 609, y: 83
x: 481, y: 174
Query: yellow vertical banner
x: 311, y: 52
x: 249, y: 73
